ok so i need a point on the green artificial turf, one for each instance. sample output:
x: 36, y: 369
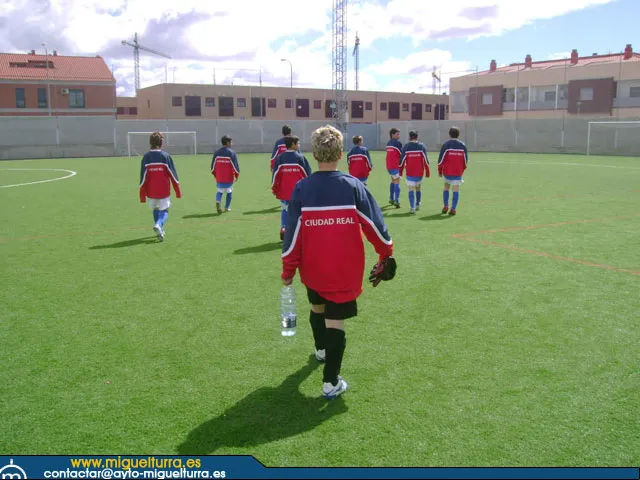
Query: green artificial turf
x: 509, y: 336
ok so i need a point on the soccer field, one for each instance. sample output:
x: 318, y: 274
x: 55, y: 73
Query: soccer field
x: 509, y: 337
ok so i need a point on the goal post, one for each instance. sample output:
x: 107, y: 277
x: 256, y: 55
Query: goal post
x: 176, y: 143
x: 615, y: 126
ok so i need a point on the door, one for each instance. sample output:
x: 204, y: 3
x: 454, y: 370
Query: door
x: 394, y: 110
x: 258, y: 107
x: 416, y: 111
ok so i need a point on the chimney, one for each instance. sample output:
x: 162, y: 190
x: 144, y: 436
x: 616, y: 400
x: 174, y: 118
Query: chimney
x: 33, y: 52
x: 493, y: 66
x: 574, y: 57
x: 55, y: 53
x: 628, y: 52
x: 528, y: 62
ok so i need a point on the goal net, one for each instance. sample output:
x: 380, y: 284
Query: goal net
x: 613, y: 138
x: 176, y: 143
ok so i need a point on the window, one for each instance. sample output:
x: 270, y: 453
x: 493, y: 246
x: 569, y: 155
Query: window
x: 272, y: 103
x: 76, y: 98
x: 21, y: 102
x: 405, y: 107
x: 120, y: 111
x: 192, y: 106
x: 487, y: 99
x: 357, y: 109
x: 563, y: 92
x: 133, y: 110
x: 176, y: 101
x: 210, y: 101
x: 368, y: 105
x: 523, y: 95
x: 508, y: 95
x: 383, y: 107
x: 288, y: 103
x: 225, y: 106
x: 586, y: 94
x: 317, y: 104
x: 549, y: 96
x: 42, y: 98
x: 241, y: 103
x: 634, y: 92
x: 427, y: 108
x: 394, y: 110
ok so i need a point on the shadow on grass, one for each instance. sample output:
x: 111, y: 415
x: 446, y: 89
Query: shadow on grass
x: 126, y: 243
x: 267, y: 247
x: 266, y: 210
x: 202, y: 215
x: 405, y: 214
x: 436, y: 216
x: 265, y: 415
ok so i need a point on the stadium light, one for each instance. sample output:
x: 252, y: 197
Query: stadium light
x: 290, y: 68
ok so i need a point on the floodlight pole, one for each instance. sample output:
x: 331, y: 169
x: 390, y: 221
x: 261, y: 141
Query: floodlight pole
x: 46, y: 53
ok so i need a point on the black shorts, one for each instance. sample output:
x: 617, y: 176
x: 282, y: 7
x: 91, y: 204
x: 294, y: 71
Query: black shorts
x: 333, y: 311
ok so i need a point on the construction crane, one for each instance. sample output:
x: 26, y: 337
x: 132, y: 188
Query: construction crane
x: 356, y: 54
x: 136, y: 57
x: 436, y: 80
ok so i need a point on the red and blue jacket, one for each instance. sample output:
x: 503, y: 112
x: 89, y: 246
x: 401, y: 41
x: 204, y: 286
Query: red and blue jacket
x: 289, y: 169
x: 453, y: 159
x: 394, y: 152
x: 278, y: 149
x: 414, y: 160
x: 224, y: 165
x: 157, y: 174
x: 327, y: 215
x: 359, y: 162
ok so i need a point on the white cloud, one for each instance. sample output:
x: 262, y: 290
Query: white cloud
x: 240, y: 35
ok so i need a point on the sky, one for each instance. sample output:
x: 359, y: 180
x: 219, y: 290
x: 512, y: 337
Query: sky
x: 400, y: 40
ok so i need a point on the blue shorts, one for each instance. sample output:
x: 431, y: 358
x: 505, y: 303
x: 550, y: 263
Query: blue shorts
x: 225, y: 185
x: 364, y: 180
x: 395, y: 171
x: 414, y: 179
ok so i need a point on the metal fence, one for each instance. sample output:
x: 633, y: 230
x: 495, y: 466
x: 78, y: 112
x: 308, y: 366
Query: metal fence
x: 59, y: 137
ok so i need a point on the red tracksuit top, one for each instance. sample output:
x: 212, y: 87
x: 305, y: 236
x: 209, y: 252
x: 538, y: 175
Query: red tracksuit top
x: 157, y: 174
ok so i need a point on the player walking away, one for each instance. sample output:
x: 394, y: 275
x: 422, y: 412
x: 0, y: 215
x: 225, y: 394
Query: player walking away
x: 359, y: 160
x: 157, y: 174
x: 290, y: 167
x: 394, y: 151
x: 226, y: 170
x: 280, y: 146
x: 323, y: 240
x: 452, y: 163
x: 415, y: 161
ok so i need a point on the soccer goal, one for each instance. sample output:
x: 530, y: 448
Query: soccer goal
x: 613, y: 137
x: 176, y: 143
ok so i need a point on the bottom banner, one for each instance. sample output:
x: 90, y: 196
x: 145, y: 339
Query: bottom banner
x: 228, y: 467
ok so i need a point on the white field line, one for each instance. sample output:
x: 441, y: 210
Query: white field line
x: 71, y: 174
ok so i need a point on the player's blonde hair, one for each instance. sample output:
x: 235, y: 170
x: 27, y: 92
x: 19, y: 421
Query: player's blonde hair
x: 326, y: 143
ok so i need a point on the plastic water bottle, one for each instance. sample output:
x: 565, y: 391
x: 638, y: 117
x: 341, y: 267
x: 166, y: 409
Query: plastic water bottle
x: 289, y: 317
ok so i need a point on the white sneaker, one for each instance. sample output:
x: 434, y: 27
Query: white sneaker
x: 321, y: 355
x: 227, y: 209
x: 412, y: 211
x: 159, y: 232
x: 417, y: 207
x: 330, y: 391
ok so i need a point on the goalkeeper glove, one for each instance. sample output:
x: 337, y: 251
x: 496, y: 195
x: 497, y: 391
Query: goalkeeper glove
x: 383, y: 270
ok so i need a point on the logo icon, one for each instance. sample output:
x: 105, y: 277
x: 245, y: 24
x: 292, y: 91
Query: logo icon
x: 12, y: 471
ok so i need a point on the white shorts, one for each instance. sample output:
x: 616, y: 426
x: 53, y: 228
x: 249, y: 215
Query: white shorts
x: 413, y: 184
x: 454, y: 182
x: 159, y: 203
x: 225, y: 190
